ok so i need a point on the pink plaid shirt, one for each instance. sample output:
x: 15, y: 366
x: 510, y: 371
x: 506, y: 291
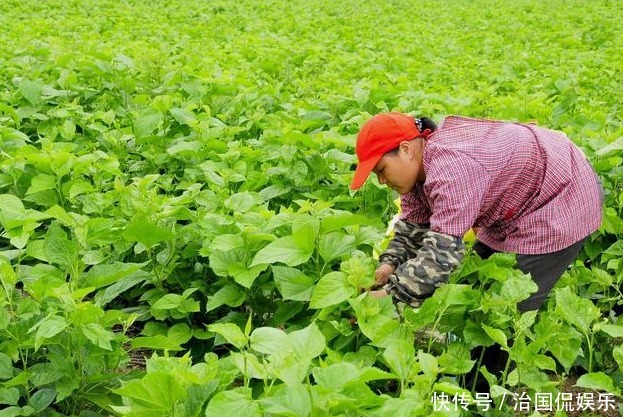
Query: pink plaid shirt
x: 529, y: 190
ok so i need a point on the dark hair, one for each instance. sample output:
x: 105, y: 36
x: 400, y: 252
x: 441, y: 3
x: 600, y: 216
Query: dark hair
x: 423, y: 123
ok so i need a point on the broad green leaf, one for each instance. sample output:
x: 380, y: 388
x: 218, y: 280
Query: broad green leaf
x: 168, y: 302
x: 147, y: 122
x: 229, y: 295
x: 400, y: 357
x: 182, y: 116
x: 331, y: 289
x: 147, y: 233
x: 17, y: 411
x: 308, y: 342
x: 156, y: 392
x: 6, y: 367
x: 597, y: 381
x: 292, y: 283
x: 456, y: 359
x: 41, y: 182
x: 284, y: 250
x: 610, y: 329
x: 428, y: 364
x: 288, y: 400
x: 268, y: 340
x: 496, y: 334
x: 613, y: 148
x: 106, y: 274
x: 234, y: 403
x: 98, y: 335
x: 334, y: 245
x: 109, y: 293
x: 48, y: 328
x: 241, y: 202
x: 336, y: 376
x: 246, y: 275
x: 578, y: 311
x: 31, y: 90
x: 517, y: 288
x: 227, y: 242
x: 341, y: 220
x: 59, y: 249
x: 157, y: 342
x: 231, y: 333
x: 249, y: 365
x: 41, y: 399
x: 9, y: 396
x: 11, y: 208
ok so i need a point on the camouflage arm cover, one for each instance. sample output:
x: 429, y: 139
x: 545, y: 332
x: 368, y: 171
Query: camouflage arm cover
x: 417, y: 278
x: 405, y: 244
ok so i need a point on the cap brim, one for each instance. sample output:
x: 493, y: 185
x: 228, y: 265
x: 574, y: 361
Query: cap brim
x: 362, y: 172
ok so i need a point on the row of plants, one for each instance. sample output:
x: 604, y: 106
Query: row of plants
x: 173, y: 185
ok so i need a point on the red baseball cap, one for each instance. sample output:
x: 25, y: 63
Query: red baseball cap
x: 379, y: 135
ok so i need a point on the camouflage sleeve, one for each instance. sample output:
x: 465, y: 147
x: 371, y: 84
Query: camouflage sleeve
x: 405, y: 244
x: 417, y: 278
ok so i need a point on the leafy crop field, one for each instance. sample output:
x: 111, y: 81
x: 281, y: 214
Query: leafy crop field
x: 177, y: 237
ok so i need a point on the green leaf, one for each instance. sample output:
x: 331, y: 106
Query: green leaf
x: 341, y: 220
x: 9, y: 396
x: 288, y: 400
x: 157, y: 342
x: 147, y: 233
x: 31, y: 90
x: 234, y: 403
x: 229, y: 295
x: 11, y: 209
x: 497, y: 335
x: 268, y: 340
x: 231, y: 333
x: 611, y: 329
x: 98, y: 335
x: 182, y: 116
x: 6, y: 366
x: 227, y: 242
x: 147, y: 122
x: 332, y: 289
x: 617, y: 353
x: 106, y: 274
x: 108, y: 294
x: 456, y: 359
x: 48, y: 328
x: 336, y: 244
x: 597, y: 381
x: 400, y: 357
x: 613, y: 148
x: 308, y: 342
x: 336, y: 376
x: 285, y: 250
x: 59, y: 249
x: 41, y: 399
x: 576, y: 310
x: 41, y: 182
x: 292, y: 283
x: 158, y: 392
x: 241, y: 202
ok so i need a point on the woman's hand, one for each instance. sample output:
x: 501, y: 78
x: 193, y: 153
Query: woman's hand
x: 378, y: 293
x: 381, y: 275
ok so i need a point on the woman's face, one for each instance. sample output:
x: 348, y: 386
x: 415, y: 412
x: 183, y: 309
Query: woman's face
x: 402, y: 169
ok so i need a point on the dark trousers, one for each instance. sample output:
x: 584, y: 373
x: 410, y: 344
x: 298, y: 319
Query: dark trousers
x: 545, y: 270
